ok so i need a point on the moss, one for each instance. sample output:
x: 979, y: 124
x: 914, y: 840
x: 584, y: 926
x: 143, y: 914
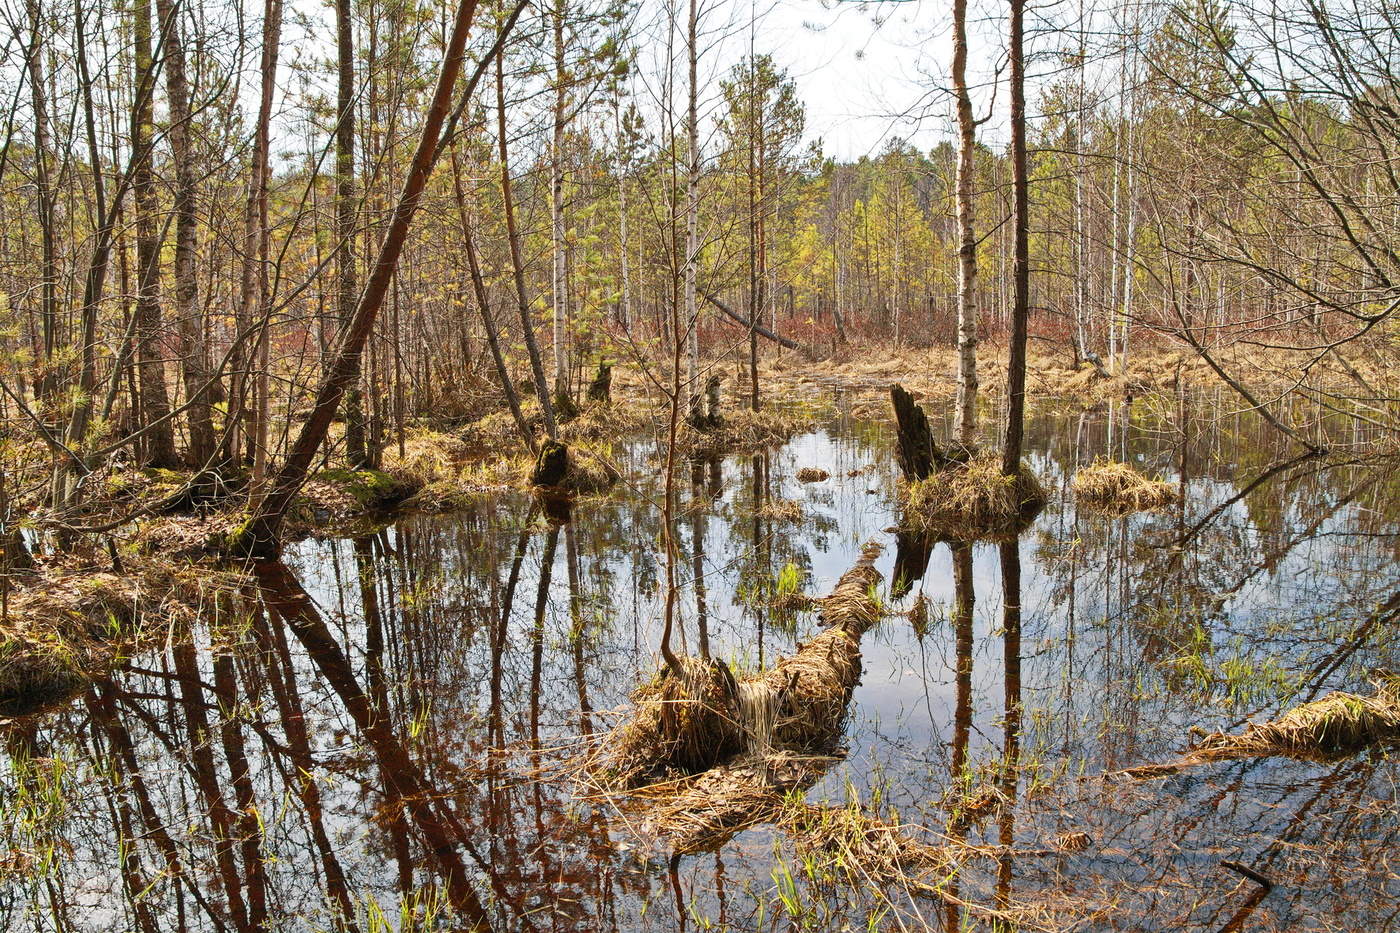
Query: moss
x: 369, y: 488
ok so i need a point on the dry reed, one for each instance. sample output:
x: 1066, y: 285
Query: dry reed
x: 1337, y: 726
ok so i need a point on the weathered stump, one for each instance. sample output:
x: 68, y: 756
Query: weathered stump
x: 600, y: 389
x: 706, y: 416
x: 565, y: 408
x: 917, y: 454
x: 552, y: 466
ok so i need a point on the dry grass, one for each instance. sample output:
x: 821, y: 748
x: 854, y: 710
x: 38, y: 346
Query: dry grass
x: 1337, y: 726
x: 780, y: 510
x: 812, y: 475
x: 702, y: 813
x: 681, y: 725
x: 687, y: 724
x: 743, y: 430
x: 428, y: 457
x: 972, y: 501
x: 866, y: 848
x: 591, y: 471
x: 1117, y: 489
x: 72, y: 624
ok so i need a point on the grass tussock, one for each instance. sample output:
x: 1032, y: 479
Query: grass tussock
x: 812, y: 475
x: 1337, y: 726
x: 780, y: 510
x: 681, y: 725
x: 972, y: 501
x: 591, y: 471
x: 73, y: 624
x: 1117, y: 489
x: 742, y: 430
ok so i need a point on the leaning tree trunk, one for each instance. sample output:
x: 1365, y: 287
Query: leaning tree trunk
x: 260, y: 534
x: 522, y: 303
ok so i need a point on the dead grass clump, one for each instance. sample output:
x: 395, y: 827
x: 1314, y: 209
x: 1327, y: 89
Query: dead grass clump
x: 780, y: 510
x: 972, y: 501
x: 590, y: 471
x: 428, y: 457
x: 814, y: 687
x: 1337, y: 726
x: 867, y: 848
x: 72, y: 625
x: 1117, y: 489
x: 682, y: 725
x: 742, y: 430
x: 498, y: 431
x: 704, y: 718
x: 812, y: 475
x: 600, y: 422
x: 706, y: 811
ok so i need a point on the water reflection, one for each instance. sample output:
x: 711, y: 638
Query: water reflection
x: 377, y: 731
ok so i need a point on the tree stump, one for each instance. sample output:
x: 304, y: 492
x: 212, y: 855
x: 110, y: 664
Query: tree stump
x: 917, y: 454
x: 600, y: 389
x: 552, y: 465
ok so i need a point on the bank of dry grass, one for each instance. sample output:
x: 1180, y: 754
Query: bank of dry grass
x: 1336, y: 726
x: 67, y: 624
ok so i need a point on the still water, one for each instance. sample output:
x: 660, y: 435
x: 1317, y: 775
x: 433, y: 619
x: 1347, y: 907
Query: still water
x: 381, y: 740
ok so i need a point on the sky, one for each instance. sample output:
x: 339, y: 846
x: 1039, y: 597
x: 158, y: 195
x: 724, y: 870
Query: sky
x: 869, y: 71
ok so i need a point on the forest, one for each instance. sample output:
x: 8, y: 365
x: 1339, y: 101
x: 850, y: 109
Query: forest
x: 678, y: 464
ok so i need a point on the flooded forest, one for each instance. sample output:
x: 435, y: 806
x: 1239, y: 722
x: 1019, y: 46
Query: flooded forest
x: 684, y: 465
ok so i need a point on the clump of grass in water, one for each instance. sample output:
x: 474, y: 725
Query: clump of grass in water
x: 1117, y: 489
x: 1336, y: 726
x: 972, y: 501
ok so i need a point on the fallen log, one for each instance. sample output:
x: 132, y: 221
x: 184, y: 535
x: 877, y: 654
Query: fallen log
x: 758, y: 328
x: 713, y: 754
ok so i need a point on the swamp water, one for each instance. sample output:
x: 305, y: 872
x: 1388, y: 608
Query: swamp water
x: 386, y: 738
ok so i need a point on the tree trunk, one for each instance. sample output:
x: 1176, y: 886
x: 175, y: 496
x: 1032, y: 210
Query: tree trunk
x: 692, y: 215
x: 47, y: 381
x: 261, y: 532
x: 527, y: 329
x: 483, y: 303
x: 193, y: 360
x: 347, y: 286
x: 155, y: 399
x: 1020, y: 267
x: 563, y: 400
x: 965, y: 413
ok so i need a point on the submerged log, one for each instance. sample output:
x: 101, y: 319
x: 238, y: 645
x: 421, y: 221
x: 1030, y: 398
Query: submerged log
x: 917, y: 453
x: 731, y: 732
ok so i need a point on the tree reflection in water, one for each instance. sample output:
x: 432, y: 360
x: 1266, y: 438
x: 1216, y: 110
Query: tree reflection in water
x: 377, y: 729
